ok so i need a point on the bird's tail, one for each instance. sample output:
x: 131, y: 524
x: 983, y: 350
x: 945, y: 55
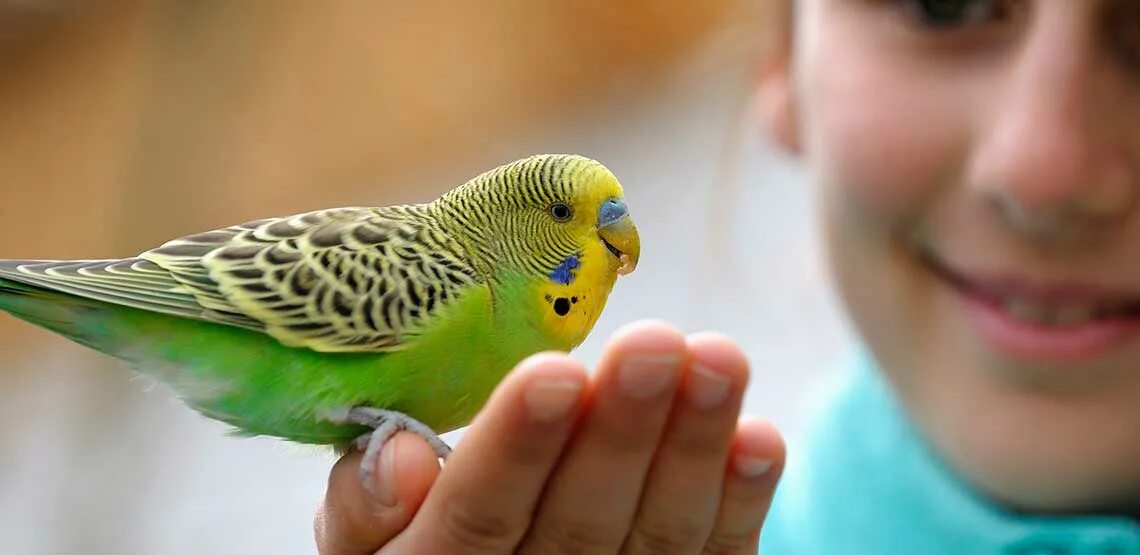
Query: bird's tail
x: 52, y: 310
x: 41, y: 307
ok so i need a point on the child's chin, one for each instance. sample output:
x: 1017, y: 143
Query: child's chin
x: 1037, y: 454
x: 1022, y: 437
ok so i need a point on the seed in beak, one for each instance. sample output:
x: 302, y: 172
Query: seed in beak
x: 626, y: 264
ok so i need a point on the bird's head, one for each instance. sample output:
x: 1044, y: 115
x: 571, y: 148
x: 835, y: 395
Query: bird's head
x: 552, y: 214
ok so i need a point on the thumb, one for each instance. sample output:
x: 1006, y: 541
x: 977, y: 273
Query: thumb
x: 354, y: 521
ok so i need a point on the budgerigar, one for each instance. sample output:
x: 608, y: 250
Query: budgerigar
x: 343, y: 326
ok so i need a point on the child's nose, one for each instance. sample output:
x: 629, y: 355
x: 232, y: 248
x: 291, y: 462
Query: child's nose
x: 1059, y: 152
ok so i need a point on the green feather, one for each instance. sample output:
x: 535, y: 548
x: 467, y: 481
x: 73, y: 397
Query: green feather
x: 251, y: 381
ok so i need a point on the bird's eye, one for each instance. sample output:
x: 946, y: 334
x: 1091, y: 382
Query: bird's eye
x: 560, y: 212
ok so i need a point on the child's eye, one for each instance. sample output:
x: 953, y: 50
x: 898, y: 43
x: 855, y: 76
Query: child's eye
x: 1123, y: 23
x: 952, y: 14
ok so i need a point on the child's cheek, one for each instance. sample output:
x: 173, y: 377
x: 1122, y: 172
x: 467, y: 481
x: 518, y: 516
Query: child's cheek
x: 886, y: 139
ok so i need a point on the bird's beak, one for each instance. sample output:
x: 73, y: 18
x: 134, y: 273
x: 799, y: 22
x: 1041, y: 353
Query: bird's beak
x: 617, y: 231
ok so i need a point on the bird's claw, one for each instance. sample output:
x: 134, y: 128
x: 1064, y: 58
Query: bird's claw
x: 385, y: 424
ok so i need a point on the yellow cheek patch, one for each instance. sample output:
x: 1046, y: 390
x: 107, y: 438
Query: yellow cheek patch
x: 570, y: 307
x: 568, y: 313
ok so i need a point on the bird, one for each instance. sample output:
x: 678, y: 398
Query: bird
x: 342, y: 326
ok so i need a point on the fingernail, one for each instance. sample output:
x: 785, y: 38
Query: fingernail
x: 752, y: 467
x: 551, y: 399
x: 645, y: 376
x: 386, y: 475
x: 707, y: 388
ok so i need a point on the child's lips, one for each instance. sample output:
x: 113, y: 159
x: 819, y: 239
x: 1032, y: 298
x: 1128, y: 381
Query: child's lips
x: 1054, y: 322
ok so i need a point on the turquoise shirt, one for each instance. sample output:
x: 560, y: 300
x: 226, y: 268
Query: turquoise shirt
x: 866, y: 482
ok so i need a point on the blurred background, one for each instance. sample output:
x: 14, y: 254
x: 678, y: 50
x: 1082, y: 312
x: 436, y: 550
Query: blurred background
x: 124, y: 123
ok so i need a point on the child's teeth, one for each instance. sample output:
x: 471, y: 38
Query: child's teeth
x: 1028, y: 311
x: 1025, y: 311
x: 1069, y: 315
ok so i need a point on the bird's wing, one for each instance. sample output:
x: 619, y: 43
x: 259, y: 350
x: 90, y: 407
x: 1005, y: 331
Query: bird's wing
x: 336, y: 280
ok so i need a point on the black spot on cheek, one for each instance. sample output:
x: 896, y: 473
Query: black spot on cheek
x: 562, y: 306
x: 574, y: 300
x: 549, y: 299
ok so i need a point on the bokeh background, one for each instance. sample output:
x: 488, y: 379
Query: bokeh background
x: 127, y: 122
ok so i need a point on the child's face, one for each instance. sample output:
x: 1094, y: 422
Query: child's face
x: 980, y: 172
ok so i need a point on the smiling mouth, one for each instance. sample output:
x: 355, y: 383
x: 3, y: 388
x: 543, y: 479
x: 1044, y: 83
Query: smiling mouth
x: 1056, y: 307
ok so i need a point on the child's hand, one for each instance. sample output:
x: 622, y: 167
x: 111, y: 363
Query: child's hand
x: 657, y: 463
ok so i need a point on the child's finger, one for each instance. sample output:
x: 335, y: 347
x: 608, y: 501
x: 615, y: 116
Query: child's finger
x: 485, y: 499
x: 754, y: 469
x: 683, y: 490
x: 351, y: 520
x: 593, y: 496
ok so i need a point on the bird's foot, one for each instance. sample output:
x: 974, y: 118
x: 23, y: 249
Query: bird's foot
x: 385, y: 424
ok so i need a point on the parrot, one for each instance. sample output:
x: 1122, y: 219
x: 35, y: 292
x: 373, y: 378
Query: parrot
x: 342, y: 326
